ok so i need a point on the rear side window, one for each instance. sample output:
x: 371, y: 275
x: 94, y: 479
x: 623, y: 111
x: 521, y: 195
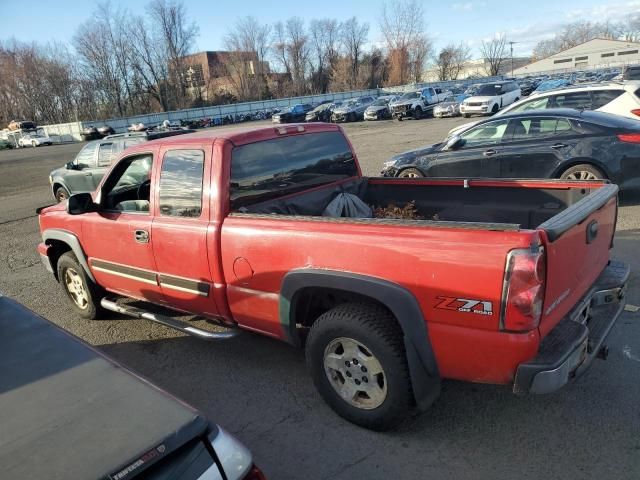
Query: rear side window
x: 578, y: 100
x: 273, y: 168
x: 602, y: 97
x: 637, y: 93
x: 181, y: 183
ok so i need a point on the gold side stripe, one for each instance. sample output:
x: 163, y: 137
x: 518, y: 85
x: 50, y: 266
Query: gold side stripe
x: 120, y: 274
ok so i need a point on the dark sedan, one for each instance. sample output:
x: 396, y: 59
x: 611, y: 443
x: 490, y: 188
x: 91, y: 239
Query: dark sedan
x: 554, y: 143
x: 295, y: 113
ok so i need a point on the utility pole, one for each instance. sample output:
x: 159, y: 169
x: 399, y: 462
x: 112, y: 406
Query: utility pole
x: 511, y: 45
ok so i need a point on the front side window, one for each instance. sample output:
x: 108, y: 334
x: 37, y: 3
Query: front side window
x: 272, y: 168
x: 534, y: 104
x: 181, y: 183
x: 86, y: 156
x: 128, y: 186
x: 486, y: 134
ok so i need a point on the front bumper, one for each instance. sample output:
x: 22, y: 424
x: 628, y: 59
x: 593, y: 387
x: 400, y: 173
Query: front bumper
x: 43, y: 251
x: 339, y: 117
x: 475, y: 110
x: 568, y: 350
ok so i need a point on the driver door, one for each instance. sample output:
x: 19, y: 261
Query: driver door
x: 117, y: 238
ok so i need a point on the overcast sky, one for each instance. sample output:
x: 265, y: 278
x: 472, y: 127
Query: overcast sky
x: 471, y: 21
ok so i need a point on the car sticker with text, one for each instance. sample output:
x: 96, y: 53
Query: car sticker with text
x: 481, y: 307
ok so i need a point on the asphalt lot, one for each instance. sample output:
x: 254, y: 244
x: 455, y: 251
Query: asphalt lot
x: 259, y: 390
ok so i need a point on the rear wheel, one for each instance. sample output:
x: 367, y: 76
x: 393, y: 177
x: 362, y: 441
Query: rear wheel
x: 355, y: 353
x: 466, y: 115
x: 410, y: 173
x: 84, y: 294
x: 583, y: 172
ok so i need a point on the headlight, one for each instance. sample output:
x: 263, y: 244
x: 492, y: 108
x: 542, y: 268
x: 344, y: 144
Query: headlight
x: 484, y: 104
x: 389, y: 164
x: 50, y: 180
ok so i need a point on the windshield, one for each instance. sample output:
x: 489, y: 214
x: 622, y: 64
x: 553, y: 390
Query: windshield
x: 379, y: 103
x: 410, y: 95
x: 489, y: 90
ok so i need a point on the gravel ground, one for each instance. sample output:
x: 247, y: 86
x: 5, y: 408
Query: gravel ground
x: 259, y: 390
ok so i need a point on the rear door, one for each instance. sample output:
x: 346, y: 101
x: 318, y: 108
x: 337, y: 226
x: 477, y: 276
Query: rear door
x: 180, y: 226
x: 478, y: 157
x: 536, y: 147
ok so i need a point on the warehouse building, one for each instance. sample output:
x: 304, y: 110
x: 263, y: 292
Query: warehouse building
x: 594, y: 54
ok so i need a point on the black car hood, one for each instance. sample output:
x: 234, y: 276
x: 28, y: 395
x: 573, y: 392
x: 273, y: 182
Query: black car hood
x: 411, y: 156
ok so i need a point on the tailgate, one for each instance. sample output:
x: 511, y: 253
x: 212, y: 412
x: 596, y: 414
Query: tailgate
x: 577, y: 243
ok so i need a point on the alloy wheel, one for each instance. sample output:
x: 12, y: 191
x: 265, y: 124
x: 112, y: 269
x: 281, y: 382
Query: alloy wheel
x: 75, y: 287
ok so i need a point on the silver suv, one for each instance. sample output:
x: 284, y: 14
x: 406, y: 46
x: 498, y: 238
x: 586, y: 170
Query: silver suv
x: 84, y: 173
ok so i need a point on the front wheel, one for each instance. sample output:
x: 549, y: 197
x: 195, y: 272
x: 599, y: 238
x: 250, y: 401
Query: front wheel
x: 583, y: 172
x: 466, y: 115
x: 355, y: 353
x: 61, y: 194
x: 83, y: 293
x: 410, y: 173
x: 417, y: 113
x: 495, y: 109
x: 34, y: 144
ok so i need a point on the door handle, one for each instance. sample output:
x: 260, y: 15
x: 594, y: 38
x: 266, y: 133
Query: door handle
x: 141, y: 236
x: 490, y: 152
x: 558, y: 146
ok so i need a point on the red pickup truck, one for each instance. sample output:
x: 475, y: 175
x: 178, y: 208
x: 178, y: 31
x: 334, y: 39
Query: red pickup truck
x: 501, y: 281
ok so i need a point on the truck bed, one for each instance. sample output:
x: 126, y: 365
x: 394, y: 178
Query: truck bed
x: 501, y: 204
x: 68, y: 412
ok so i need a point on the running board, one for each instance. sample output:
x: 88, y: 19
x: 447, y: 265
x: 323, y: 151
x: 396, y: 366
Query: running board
x: 111, y: 305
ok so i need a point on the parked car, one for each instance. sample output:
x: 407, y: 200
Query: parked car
x: 552, y: 84
x: 322, y: 113
x: 631, y: 72
x: 527, y: 87
x: 85, y: 171
x: 69, y: 411
x: 351, y: 110
x: 490, y: 97
x: 21, y: 125
x: 415, y: 104
x: 295, y: 113
x: 379, y: 110
x: 248, y: 228
x: 5, y: 144
x: 137, y: 127
x: 613, y: 97
x: 560, y: 143
x: 449, y: 108
x: 89, y: 133
x: 34, y: 140
x: 105, y: 130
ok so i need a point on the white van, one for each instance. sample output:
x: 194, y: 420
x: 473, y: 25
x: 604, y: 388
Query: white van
x: 490, y: 97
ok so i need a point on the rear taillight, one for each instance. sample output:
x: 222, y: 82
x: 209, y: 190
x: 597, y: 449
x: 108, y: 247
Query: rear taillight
x: 254, y: 474
x: 629, y: 137
x: 636, y: 112
x: 523, y: 291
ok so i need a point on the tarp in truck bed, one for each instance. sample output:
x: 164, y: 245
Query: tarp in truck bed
x: 67, y: 412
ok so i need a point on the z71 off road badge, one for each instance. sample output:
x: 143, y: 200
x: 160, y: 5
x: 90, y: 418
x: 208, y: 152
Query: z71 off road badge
x: 469, y: 305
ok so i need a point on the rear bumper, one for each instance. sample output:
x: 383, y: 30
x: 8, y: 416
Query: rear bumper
x: 568, y: 350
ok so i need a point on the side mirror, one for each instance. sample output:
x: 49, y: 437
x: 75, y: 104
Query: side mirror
x: 453, y: 143
x: 70, y: 166
x: 80, y: 203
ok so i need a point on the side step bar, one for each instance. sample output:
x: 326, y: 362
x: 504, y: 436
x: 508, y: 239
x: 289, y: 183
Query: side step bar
x: 111, y: 305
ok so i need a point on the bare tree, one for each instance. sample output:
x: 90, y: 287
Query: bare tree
x: 451, y: 60
x: 323, y: 36
x: 175, y: 36
x: 354, y: 36
x: 493, y: 52
x: 248, y: 45
x: 402, y: 25
x: 292, y: 50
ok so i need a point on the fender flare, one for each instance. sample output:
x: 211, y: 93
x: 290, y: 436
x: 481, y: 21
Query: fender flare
x: 72, y: 240
x: 423, y: 368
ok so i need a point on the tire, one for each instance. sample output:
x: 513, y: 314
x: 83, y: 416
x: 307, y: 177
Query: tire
x: 34, y: 144
x: 84, y: 295
x: 410, y: 173
x: 417, y: 113
x: 495, y: 109
x: 351, y: 117
x: 377, y: 401
x: 466, y: 115
x: 584, y: 171
x: 517, y: 98
x: 61, y: 194
x: 400, y: 118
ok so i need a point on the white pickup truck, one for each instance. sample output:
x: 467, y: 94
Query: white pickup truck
x: 416, y: 103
